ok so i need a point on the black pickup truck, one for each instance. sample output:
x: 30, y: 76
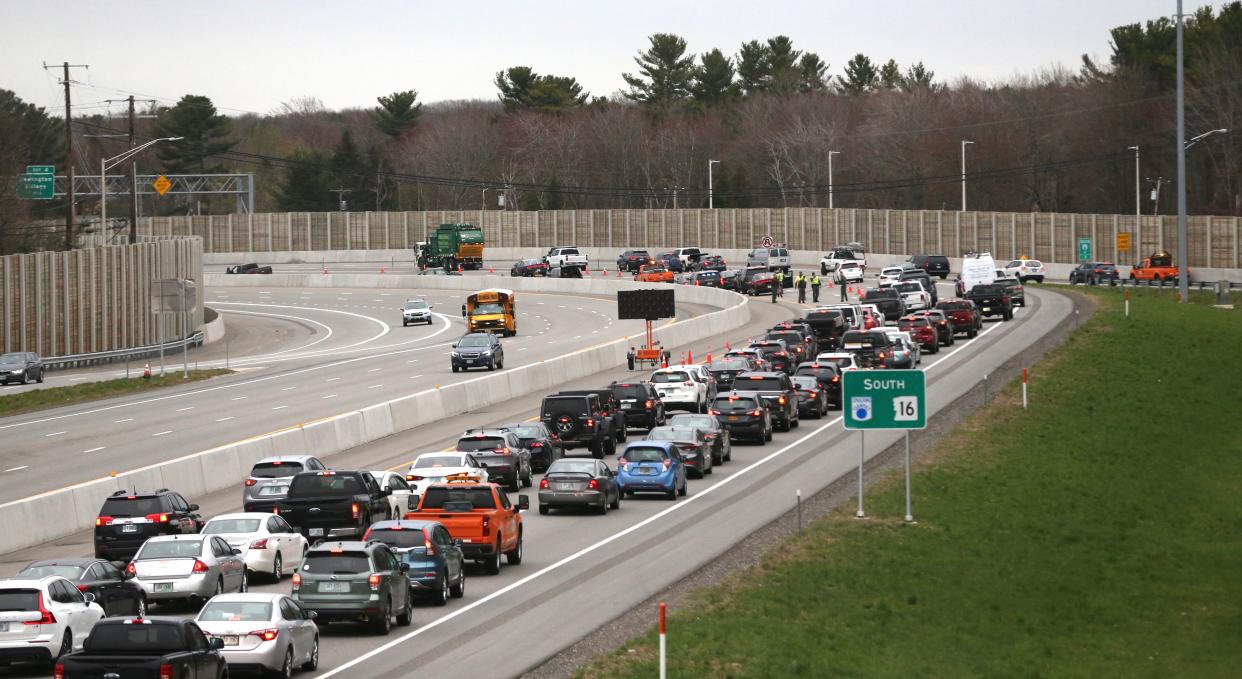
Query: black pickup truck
x: 828, y: 326
x: 992, y: 300
x: 887, y: 300
x: 333, y: 504
x: 136, y: 648
x: 871, y: 348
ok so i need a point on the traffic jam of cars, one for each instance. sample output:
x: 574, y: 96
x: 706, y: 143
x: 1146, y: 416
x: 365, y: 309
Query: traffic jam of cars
x: 365, y: 549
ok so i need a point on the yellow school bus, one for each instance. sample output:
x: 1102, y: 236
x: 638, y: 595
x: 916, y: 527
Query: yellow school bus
x: 492, y: 310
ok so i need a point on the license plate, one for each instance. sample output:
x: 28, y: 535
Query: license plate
x: 273, y: 490
x: 129, y: 528
x: 565, y: 486
x: 316, y: 532
x: 333, y: 586
x: 645, y: 471
x: 734, y: 418
x: 163, y: 587
x: 987, y: 308
x: 230, y: 639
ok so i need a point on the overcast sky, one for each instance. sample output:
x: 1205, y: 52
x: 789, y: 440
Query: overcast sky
x: 251, y: 56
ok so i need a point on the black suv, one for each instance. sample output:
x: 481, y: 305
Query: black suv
x: 355, y: 581
x: 871, y: 348
x: 612, y: 409
x: 992, y: 300
x: 801, y: 344
x: 777, y: 391
x: 743, y: 414
x: 935, y: 265
x: 127, y: 519
x: 776, y: 353
x: 887, y: 300
x: 545, y: 448
x: 829, y: 377
x: 641, y: 404
x: 633, y: 260
x: 478, y: 350
x: 579, y: 421
x: 502, y: 452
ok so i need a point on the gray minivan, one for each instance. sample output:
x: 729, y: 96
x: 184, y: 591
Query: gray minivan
x: 774, y: 258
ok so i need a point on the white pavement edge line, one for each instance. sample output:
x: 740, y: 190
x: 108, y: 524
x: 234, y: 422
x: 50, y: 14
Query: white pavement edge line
x: 612, y: 538
x: 384, y: 327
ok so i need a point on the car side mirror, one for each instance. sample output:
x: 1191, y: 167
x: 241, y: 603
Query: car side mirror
x: 457, y: 542
x: 236, y: 552
x: 385, y: 493
x: 404, y: 567
x: 217, y: 643
x: 482, y: 465
x: 523, y: 502
x: 311, y: 615
x: 194, y: 508
x: 88, y: 597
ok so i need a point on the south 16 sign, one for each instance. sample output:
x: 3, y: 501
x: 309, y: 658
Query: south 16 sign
x: 885, y: 399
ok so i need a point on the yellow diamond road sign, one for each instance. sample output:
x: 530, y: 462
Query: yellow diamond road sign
x: 162, y: 185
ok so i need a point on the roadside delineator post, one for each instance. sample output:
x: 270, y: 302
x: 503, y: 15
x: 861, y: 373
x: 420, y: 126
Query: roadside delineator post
x: 663, y: 644
x: 1024, y: 388
x: 1127, y: 304
x: 798, y: 496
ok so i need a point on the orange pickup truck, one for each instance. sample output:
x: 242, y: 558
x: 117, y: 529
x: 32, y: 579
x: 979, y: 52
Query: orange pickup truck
x: 480, y: 516
x: 654, y: 273
x: 1157, y: 268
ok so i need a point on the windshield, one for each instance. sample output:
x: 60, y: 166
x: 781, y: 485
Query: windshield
x: 416, y: 304
x: 476, y: 443
x: 429, y: 461
x: 803, y: 382
x: 757, y: 383
x: 236, y: 611
x: 1033, y: 263
x: 156, y: 637
x: 275, y: 470
x: 489, y: 308
x: 734, y: 403
x: 670, y: 434
x: 735, y: 364
x: 697, y: 421
x: 529, y: 432
x: 906, y: 323
x: 879, y: 294
x: 124, y: 507
x: 19, y: 600
x: 231, y: 526
x: 564, y: 466
x: 470, y: 341
x: 13, y: 358
x: 909, y: 287
x: 170, y: 549
x: 629, y: 392
x: 398, y: 538
x: 479, y: 497
x: 331, y: 485
x: 336, y: 563
x: 644, y: 454
x: 69, y: 572
x: 669, y: 377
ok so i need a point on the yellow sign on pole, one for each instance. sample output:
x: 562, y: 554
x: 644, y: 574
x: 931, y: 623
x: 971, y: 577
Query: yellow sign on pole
x: 1123, y: 241
x: 161, y: 185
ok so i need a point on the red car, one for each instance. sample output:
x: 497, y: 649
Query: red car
x: 923, y: 332
x: 963, y: 314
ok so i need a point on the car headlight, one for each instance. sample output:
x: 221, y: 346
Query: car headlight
x: 456, y: 355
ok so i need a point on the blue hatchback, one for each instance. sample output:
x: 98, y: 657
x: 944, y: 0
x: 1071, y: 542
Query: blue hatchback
x: 437, y: 566
x: 651, y: 467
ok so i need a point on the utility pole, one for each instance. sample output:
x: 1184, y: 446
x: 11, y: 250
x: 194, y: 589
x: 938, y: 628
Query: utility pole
x: 710, y: 190
x: 1138, y: 205
x: 830, y: 190
x: 964, y: 143
x: 71, y: 216
x: 1183, y: 271
x: 1155, y: 196
x: 133, y: 166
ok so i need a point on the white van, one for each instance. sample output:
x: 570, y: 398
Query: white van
x: 977, y: 269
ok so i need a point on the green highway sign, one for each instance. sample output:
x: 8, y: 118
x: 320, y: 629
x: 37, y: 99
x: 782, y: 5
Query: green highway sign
x: 36, y: 186
x: 1084, y: 249
x: 884, y: 399
x: 40, y: 169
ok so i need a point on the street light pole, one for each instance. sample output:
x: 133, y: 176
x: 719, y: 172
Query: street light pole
x: 1183, y: 273
x: 106, y: 163
x: 964, y: 143
x: 710, y: 193
x: 1138, y: 208
x: 830, y: 155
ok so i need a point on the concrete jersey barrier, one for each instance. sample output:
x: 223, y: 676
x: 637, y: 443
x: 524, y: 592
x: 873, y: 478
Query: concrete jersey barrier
x: 54, y: 514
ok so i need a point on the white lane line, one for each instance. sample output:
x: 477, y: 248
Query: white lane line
x: 238, y: 398
x: 681, y: 505
x: 162, y: 433
x: 329, y: 396
x: 128, y: 419
x: 373, y: 370
x: 288, y: 388
x: 76, y: 379
x: 577, y: 336
x: 414, y: 377
x: 279, y: 407
x: 523, y: 348
x: 415, y: 360
x: 93, y: 450
x: 17, y: 469
x: 55, y: 433
x: 181, y: 410
x: 225, y: 419
x: 333, y: 379
x: 375, y: 386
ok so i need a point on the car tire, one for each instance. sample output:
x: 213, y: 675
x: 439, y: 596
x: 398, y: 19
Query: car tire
x: 286, y: 667
x: 672, y: 494
x: 514, y: 556
x: 383, y: 625
x: 40, y: 379
x: 406, y: 616
x: 544, y: 509
x: 516, y: 484
x: 602, y: 509
x: 441, y: 595
x: 492, y: 565
x: 278, y: 568
x: 454, y: 368
x: 459, y: 590
x: 491, y: 364
x: 610, y: 446
x: 528, y: 481
x: 312, y: 664
x: 597, y: 449
x: 767, y: 435
x: 66, y: 647
x: 616, y: 504
x: 795, y: 423
x: 245, y: 583
x: 404, y: 324
x: 685, y: 487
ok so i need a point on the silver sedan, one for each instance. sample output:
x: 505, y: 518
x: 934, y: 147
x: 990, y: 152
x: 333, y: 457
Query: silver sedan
x: 266, y: 632
x: 187, y: 567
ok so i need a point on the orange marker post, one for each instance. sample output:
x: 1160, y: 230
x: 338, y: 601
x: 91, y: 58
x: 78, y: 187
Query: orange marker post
x: 663, y: 644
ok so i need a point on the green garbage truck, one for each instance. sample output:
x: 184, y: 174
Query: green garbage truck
x: 452, y: 245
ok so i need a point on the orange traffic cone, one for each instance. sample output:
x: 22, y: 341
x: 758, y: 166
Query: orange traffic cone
x: 459, y: 268
x: 696, y: 282
x: 381, y: 269
x: 490, y: 270
x: 690, y: 360
x: 709, y: 358
x: 663, y: 361
x: 829, y: 283
x: 727, y: 347
x: 146, y: 371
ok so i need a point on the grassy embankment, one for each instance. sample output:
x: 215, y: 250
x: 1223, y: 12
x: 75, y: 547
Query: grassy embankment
x: 1094, y: 535
x: 54, y: 397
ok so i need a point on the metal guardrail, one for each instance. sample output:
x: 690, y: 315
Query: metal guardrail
x: 173, y: 347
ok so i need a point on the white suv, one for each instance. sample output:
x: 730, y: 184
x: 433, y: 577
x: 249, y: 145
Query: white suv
x: 850, y: 271
x: 681, y: 388
x: 415, y: 310
x: 1025, y: 270
x: 44, y: 618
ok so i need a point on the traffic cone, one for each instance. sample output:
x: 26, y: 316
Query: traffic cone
x: 618, y: 273
x: 490, y: 269
x: 683, y: 359
x: 727, y: 347
x: 663, y: 361
x: 459, y: 268
x: 146, y: 371
x: 696, y: 282
x: 605, y: 271
x: 381, y: 269
x: 690, y: 360
x: 709, y: 358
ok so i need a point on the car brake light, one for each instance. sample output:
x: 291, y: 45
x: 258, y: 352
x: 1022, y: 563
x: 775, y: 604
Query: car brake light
x: 374, y: 581
x: 590, y: 422
x: 59, y: 672
x: 650, y: 404
x: 536, y: 444
x: 296, y: 581
x: 267, y: 634
x: 781, y: 353
x: 504, y: 451
x: 836, y: 378
x: 199, y: 566
x: 428, y: 547
x: 355, y: 510
x: 543, y: 484
x: 756, y: 412
x: 45, y: 616
x: 166, y: 670
x: 593, y: 485
x: 250, y: 482
x: 157, y: 518
x: 781, y: 400
x: 487, y: 526
x: 413, y: 477
x: 713, y: 411
x: 261, y: 543
x: 131, y: 568
x: 103, y: 520
x: 83, y: 588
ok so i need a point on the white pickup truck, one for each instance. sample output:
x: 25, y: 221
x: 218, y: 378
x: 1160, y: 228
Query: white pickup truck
x: 565, y: 257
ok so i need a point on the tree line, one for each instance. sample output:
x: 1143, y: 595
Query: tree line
x: 774, y: 115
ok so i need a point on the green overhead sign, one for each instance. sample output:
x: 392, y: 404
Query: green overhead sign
x: 38, y: 183
x: 884, y: 399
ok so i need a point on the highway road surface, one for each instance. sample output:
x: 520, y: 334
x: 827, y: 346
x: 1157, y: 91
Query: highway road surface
x: 580, y: 571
